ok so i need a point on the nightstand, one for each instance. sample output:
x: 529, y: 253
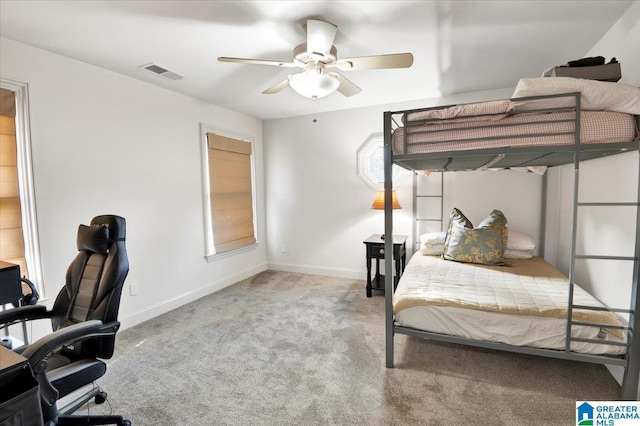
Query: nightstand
x: 375, y: 250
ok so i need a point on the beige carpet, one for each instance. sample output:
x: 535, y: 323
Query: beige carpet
x: 292, y: 349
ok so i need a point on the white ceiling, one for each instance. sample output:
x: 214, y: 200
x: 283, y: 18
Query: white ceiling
x: 458, y: 46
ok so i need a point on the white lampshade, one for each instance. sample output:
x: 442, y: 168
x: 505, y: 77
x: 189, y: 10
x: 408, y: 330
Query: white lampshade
x: 313, y: 84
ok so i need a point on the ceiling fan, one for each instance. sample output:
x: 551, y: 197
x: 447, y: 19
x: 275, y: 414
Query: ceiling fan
x: 316, y: 56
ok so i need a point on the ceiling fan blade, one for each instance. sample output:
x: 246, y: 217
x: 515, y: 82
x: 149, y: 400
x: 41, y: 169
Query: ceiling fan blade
x: 394, y: 60
x: 277, y: 87
x: 347, y: 87
x: 258, y: 62
x: 320, y: 36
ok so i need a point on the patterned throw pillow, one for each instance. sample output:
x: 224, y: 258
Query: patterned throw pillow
x: 456, y: 218
x: 497, y: 220
x: 484, y: 244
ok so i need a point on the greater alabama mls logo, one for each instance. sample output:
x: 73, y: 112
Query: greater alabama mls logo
x: 585, y: 414
x: 607, y: 413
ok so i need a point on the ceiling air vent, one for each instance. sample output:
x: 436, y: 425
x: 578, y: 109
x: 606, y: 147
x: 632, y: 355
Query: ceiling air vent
x: 156, y: 69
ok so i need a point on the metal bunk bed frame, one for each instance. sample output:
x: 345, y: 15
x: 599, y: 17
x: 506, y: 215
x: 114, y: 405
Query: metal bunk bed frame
x: 578, y: 151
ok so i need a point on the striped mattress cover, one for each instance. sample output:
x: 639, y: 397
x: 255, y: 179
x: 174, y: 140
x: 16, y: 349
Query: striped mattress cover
x: 519, y: 130
x: 523, y: 305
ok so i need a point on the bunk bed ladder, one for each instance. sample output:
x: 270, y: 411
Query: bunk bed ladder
x: 631, y: 364
x: 418, y: 219
x: 632, y: 357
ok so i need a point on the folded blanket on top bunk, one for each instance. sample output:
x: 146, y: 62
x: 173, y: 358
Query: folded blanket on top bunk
x: 498, y: 304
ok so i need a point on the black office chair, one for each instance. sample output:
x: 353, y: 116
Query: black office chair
x: 84, y: 321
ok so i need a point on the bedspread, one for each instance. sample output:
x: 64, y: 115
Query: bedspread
x: 528, y: 287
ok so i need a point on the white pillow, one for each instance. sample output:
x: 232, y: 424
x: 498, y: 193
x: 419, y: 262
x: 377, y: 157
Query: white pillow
x: 520, y: 241
x: 432, y: 249
x: 433, y: 238
x: 517, y: 254
x: 596, y: 95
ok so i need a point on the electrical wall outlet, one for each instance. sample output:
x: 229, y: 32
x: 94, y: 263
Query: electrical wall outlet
x: 133, y: 289
x: 283, y: 248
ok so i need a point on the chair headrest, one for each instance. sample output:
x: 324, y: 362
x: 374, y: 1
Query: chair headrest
x: 104, y: 231
x: 93, y: 238
x: 117, y: 225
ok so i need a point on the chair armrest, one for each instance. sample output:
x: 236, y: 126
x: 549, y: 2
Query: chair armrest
x: 23, y: 313
x: 38, y: 350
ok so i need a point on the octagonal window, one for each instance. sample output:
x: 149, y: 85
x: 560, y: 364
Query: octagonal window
x: 371, y: 163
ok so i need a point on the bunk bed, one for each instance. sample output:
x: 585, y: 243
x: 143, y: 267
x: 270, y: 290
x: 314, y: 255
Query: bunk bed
x: 526, y: 131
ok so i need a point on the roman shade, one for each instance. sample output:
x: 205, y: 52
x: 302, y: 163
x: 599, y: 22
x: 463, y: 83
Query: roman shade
x: 230, y: 192
x: 11, y: 235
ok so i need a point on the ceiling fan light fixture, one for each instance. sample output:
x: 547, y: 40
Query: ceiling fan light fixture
x: 318, y: 54
x: 313, y: 84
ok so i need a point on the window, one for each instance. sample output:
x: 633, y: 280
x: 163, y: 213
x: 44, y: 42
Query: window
x: 18, y: 228
x: 371, y: 163
x: 229, y: 192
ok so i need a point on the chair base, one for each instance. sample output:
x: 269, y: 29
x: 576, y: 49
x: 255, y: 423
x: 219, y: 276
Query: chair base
x: 65, y: 417
x: 95, y: 392
x: 92, y: 420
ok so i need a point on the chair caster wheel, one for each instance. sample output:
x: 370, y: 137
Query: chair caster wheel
x: 100, y: 398
x: 126, y: 423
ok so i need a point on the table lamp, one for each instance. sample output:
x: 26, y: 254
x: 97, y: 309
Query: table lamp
x: 378, y: 202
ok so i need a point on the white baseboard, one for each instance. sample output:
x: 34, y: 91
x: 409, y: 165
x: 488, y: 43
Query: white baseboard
x: 318, y: 270
x: 617, y: 371
x: 143, y: 315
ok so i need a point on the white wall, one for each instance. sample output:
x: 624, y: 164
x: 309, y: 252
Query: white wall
x: 609, y: 179
x: 602, y: 231
x: 621, y: 41
x: 518, y: 195
x: 319, y: 209
x: 106, y: 143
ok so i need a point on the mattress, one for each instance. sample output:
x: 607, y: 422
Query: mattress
x: 519, y: 130
x: 523, y: 305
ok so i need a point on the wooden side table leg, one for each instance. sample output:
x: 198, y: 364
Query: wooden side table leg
x: 368, y: 277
